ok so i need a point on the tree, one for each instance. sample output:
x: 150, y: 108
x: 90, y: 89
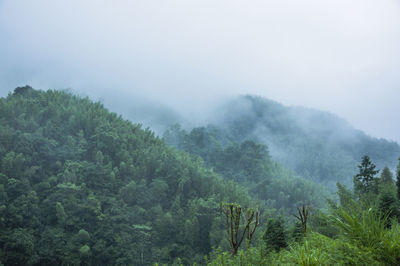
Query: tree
x: 233, y: 214
x: 387, y: 203
x: 346, y: 196
x: 386, y: 176
x: 23, y: 90
x: 274, y: 235
x: 366, y: 176
x: 303, y: 216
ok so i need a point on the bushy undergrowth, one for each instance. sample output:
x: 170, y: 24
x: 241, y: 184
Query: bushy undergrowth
x: 363, y: 239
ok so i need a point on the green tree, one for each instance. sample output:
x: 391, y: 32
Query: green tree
x: 365, y: 179
x: 387, y: 202
x: 386, y: 176
x: 274, y: 235
x: 346, y: 196
x: 19, y: 248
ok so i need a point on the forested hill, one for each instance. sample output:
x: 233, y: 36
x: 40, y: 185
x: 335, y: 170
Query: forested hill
x: 79, y: 185
x: 82, y: 186
x: 315, y: 144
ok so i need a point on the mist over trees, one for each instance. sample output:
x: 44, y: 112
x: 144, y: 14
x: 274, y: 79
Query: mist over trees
x: 174, y: 133
x: 80, y: 185
x: 315, y: 145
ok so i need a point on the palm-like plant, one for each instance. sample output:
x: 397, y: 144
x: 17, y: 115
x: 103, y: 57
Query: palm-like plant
x: 365, y: 227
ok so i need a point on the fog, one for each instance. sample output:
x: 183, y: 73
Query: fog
x: 339, y: 56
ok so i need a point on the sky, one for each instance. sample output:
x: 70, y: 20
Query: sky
x: 340, y: 56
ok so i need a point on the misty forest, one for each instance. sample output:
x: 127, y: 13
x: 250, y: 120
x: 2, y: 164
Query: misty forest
x: 212, y: 132
x: 80, y: 185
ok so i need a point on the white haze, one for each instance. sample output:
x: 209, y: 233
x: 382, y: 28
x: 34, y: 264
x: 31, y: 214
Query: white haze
x: 342, y: 56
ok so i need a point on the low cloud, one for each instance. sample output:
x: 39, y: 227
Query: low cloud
x: 341, y: 56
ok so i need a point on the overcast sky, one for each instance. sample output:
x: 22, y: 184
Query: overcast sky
x: 341, y: 56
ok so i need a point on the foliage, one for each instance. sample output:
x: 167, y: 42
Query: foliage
x: 274, y: 235
x: 356, y: 232
x: 317, y: 249
x: 398, y: 180
x: 81, y: 185
x: 315, y: 145
x: 237, y: 227
x: 381, y: 246
x: 386, y: 176
x: 250, y: 164
x: 388, y: 203
x: 253, y: 256
x: 368, y: 229
x: 365, y: 227
x: 365, y: 180
x: 320, y: 222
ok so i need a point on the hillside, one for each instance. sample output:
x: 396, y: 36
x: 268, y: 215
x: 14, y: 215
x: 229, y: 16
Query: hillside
x: 316, y: 145
x: 249, y: 164
x: 82, y: 186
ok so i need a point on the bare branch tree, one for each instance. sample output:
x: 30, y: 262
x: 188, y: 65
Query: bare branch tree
x: 251, y: 225
x: 233, y: 214
x: 303, y: 216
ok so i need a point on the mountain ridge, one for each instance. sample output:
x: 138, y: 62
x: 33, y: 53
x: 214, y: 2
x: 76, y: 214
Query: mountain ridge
x: 315, y: 144
x: 80, y: 185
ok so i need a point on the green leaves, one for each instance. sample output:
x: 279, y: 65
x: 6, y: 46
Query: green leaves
x: 368, y: 229
x: 274, y: 235
x: 365, y: 179
x: 87, y: 187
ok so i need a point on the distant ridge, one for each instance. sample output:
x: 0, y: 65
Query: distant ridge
x: 315, y: 144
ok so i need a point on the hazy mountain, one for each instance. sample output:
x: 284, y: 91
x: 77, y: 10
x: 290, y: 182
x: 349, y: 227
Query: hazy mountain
x: 80, y: 185
x: 315, y: 144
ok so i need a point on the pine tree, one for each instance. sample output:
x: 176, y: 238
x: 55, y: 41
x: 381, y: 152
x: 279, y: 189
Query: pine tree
x: 386, y: 176
x: 387, y: 202
x: 345, y: 195
x: 274, y: 236
x: 366, y: 176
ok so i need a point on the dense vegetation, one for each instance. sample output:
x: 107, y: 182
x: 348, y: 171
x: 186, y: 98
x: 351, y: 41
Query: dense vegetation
x: 363, y: 229
x: 82, y: 186
x: 315, y: 145
x: 250, y: 164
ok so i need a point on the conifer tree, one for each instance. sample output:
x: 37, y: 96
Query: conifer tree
x: 386, y: 176
x: 387, y: 203
x: 365, y: 179
x: 274, y: 236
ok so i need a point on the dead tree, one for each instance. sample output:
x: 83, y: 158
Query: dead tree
x: 303, y: 216
x: 233, y: 214
x: 250, y: 225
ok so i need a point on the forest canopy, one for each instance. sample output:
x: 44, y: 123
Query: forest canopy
x: 80, y: 185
